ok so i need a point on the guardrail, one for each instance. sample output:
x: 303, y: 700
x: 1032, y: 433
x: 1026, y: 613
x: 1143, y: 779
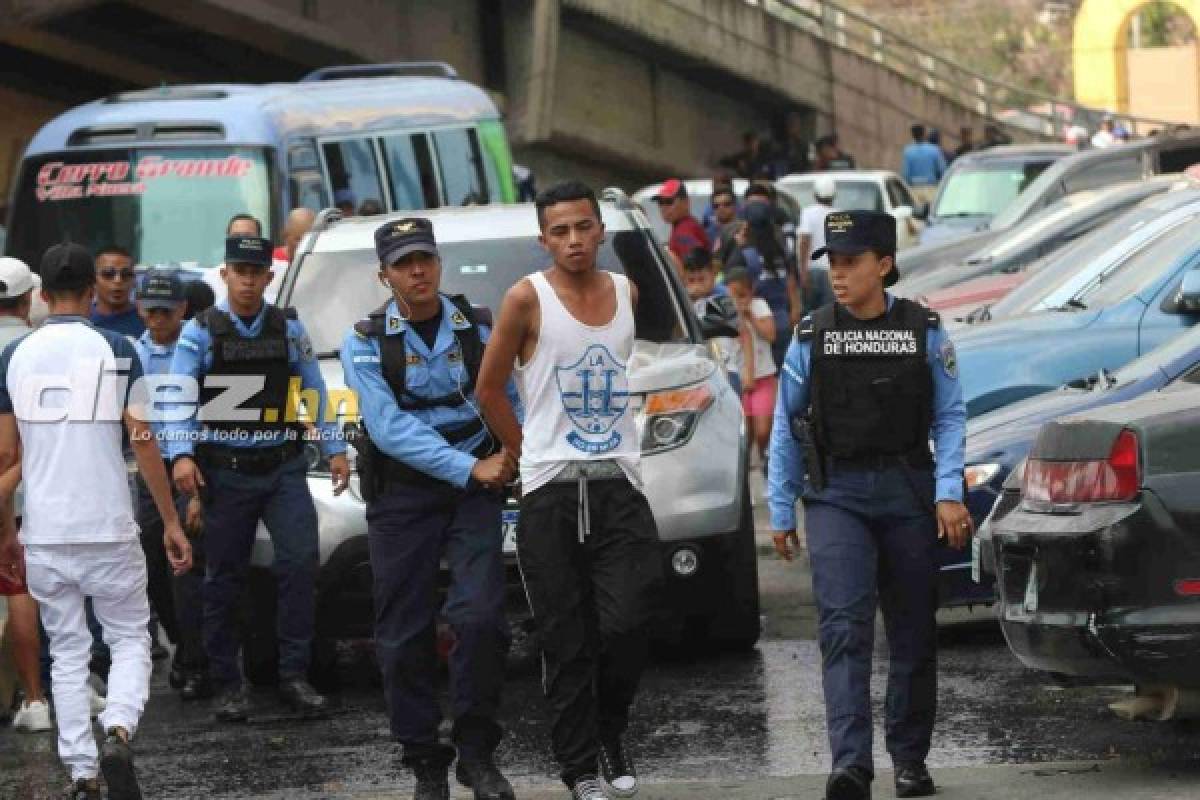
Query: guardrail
x: 1021, y: 107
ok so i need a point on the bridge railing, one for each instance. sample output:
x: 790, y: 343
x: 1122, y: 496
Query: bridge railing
x: 1028, y: 109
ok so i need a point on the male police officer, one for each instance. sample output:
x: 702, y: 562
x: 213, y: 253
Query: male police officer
x: 252, y: 467
x: 161, y: 302
x: 867, y: 382
x: 432, y: 476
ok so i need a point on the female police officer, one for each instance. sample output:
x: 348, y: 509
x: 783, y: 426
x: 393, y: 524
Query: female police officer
x: 868, y: 381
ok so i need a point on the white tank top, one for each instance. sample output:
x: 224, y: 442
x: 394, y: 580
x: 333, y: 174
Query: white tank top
x: 575, y: 390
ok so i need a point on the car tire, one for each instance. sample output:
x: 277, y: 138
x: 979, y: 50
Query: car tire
x: 737, y: 626
x: 260, y: 645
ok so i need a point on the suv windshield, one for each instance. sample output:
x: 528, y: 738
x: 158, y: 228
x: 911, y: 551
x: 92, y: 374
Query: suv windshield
x: 1143, y: 268
x: 483, y: 271
x: 163, y: 204
x: 985, y: 189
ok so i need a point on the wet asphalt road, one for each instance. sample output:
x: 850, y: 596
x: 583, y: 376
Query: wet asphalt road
x: 726, y: 718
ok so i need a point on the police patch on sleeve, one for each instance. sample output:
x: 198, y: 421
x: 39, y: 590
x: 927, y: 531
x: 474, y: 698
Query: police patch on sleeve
x: 949, y: 359
x: 457, y: 318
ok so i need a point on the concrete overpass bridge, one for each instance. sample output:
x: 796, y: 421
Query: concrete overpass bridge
x: 613, y: 91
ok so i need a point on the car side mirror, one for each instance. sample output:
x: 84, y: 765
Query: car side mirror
x: 719, y: 318
x: 1187, y: 298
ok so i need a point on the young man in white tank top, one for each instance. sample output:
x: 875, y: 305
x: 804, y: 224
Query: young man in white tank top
x: 586, y: 540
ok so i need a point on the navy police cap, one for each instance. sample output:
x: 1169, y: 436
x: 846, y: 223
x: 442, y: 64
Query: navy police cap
x: 161, y: 288
x: 248, y: 250
x: 854, y: 232
x: 396, y: 239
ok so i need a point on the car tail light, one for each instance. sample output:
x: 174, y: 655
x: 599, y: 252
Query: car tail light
x: 1115, y: 479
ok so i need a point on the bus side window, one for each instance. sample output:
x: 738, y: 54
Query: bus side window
x: 410, y: 173
x: 353, y: 173
x: 308, y: 190
x: 461, y: 163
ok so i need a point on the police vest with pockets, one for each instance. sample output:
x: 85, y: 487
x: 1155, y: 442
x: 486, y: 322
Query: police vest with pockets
x: 871, y: 389
x: 236, y: 356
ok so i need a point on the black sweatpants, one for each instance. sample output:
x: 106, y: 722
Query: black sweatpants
x: 592, y: 602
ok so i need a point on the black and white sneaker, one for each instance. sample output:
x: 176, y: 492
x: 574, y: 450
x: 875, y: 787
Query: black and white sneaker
x: 116, y: 762
x: 588, y: 788
x: 618, y: 769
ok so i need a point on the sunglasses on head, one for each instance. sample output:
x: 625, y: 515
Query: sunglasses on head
x: 112, y: 274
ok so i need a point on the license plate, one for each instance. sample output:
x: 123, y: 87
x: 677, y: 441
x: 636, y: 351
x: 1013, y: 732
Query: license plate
x: 1031, y: 590
x: 976, y: 560
x: 508, y: 521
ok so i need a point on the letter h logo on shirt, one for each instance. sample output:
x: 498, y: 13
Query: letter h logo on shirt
x: 594, y: 393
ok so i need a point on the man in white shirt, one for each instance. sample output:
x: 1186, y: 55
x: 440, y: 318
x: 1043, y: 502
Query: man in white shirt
x: 65, y: 391
x: 814, y: 276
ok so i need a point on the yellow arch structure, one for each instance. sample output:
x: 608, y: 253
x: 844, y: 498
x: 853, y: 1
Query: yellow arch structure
x: 1101, y: 77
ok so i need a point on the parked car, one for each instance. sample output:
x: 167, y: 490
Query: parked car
x: 1045, y: 232
x: 1051, y: 281
x: 864, y: 190
x: 1135, y: 306
x: 1090, y: 169
x: 981, y: 184
x: 956, y: 303
x: 689, y: 419
x: 1000, y: 440
x: 1094, y: 545
x: 700, y: 195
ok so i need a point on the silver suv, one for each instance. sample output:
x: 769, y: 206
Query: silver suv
x: 689, y: 420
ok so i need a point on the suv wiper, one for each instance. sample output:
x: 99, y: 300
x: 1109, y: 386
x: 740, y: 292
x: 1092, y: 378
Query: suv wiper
x: 1072, y: 305
x: 1107, y: 377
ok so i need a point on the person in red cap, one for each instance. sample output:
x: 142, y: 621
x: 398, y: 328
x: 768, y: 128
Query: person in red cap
x: 686, y: 232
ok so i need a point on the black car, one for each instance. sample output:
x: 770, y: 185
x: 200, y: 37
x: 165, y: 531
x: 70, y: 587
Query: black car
x: 1095, y: 544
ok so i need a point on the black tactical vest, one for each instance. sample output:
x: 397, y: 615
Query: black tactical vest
x: 265, y: 355
x: 871, y: 388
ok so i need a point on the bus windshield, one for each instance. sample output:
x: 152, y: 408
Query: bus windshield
x: 162, y: 204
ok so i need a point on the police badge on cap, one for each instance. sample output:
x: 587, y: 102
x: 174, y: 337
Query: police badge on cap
x: 248, y: 250
x: 394, y: 240
x: 854, y: 232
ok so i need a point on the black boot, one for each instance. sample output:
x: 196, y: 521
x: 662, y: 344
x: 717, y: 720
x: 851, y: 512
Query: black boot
x: 914, y: 780
x: 851, y: 783
x: 298, y: 695
x: 482, y: 777
x: 84, y: 789
x: 116, y: 762
x: 432, y: 778
x: 196, y: 686
x: 231, y: 704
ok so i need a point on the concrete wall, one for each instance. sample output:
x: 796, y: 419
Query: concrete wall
x: 23, y: 115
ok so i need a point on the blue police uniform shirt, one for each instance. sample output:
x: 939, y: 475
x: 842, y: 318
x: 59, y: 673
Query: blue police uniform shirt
x: 128, y: 322
x: 410, y: 436
x: 193, y: 357
x: 924, y: 164
x: 785, y: 460
x: 156, y: 360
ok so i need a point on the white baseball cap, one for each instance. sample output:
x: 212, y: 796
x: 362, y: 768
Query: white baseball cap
x: 824, y: 187
x: 16, y: 278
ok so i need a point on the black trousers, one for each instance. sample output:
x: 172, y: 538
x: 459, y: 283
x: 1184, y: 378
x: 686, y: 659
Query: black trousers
x: 410, y: 530
x: 592, y: 602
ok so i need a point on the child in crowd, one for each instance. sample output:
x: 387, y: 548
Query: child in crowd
x: 758, y: 393
x: 701, y: 275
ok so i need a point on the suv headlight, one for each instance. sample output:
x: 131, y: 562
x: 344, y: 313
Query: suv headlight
x: 669, y: 418
x: 980, y: 475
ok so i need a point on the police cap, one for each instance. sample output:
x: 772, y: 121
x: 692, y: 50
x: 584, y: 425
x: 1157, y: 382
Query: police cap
x: 248, y: 250
x: 162, y: 288
x: 854, y: 232
x: 396, y: 239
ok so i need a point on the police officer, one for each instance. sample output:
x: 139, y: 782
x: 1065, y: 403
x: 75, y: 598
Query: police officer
x: 432, y: 475
x: 868, y: 381
x: 251, y: 469
x: 161, y: 303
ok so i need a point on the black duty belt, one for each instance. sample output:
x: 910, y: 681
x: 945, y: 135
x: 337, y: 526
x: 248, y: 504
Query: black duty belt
x: 878, y: 462
x: 247, y: 460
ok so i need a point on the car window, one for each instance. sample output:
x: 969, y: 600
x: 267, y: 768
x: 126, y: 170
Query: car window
x: 483, y: 271
x: 353, y: 172
x: 410, y: 171
x: 851, y: 195
x: 461, y: 163
x: 1093, y: 176
x: 1143, y: 268
x: 899, y: 194
x: 1178, y: 160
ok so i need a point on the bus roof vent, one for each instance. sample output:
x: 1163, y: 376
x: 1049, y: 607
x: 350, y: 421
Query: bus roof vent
x: 167, y: 93
x: 146, y: 131
x: 436, y: 69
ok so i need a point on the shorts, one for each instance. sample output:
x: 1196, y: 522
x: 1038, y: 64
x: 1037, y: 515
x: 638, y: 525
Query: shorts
x: 10, y: 589
x: 759, y: 401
